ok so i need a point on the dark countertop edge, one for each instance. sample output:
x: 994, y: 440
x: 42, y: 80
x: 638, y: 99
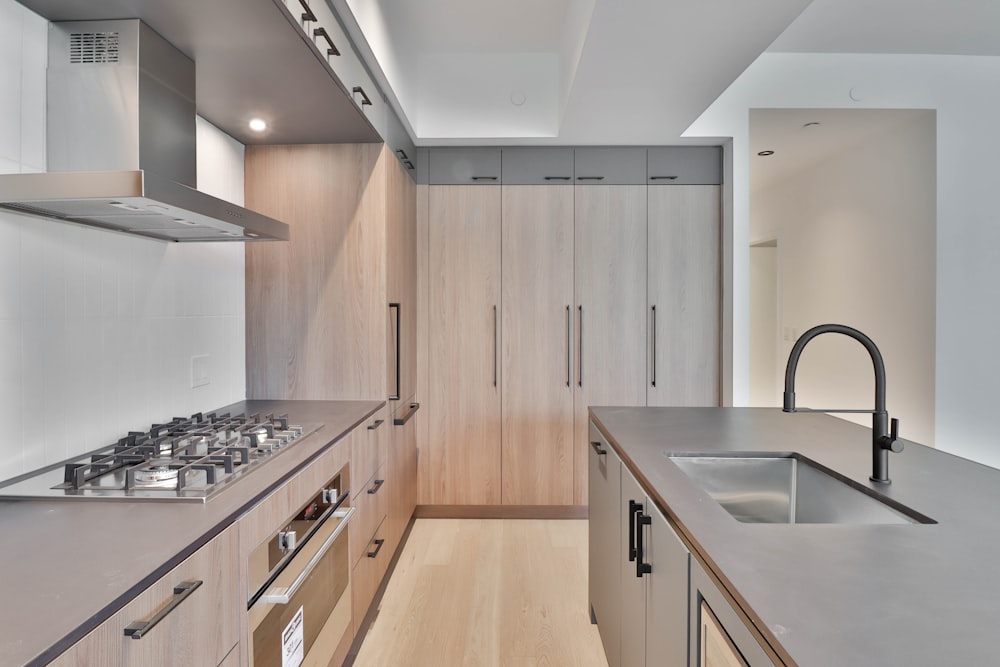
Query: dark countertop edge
x: 113, y: 607
x: 768, y: 642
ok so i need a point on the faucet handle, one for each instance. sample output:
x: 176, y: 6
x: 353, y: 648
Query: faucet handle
x: 893, y: 444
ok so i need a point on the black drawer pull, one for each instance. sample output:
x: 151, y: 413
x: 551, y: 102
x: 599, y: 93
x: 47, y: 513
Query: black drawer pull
x: 402, y: 154
x: 364, y: 96
x: 409, y: 165
x: 663, y: 178
x: 641, y: 567
x: 321, y: 32
x: 378, y: 547
x: 375, y: 425
x: 376, y: 486
x: 307, y: 13
x: 182, y: 590
x: 400, y: 421
x: 590, y: 178
x: 597, y: 449
x: 558, y: 178
x: 484, y: 178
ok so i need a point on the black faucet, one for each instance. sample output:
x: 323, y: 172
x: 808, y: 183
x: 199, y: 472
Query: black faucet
x: 883, y: 441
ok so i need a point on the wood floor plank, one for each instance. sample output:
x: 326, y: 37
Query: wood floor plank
x: 487, y: 593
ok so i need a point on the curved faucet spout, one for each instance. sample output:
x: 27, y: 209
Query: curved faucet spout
x: 800, y: 344
x: 883, y: 440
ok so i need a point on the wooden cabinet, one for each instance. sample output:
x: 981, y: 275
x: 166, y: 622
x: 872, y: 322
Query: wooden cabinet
x: 536, y: 351
x: 401, y: 284
x: 199, y: 607
x: 719, y: 636
x: 402, y: 462
x: 610, y: 274
x: 684, y: 295
x: 463, y: 402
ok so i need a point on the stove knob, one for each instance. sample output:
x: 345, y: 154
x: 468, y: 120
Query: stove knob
x: 286, y: 540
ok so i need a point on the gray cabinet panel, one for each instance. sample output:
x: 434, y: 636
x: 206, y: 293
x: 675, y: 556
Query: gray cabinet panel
x: 604, y: 545
x: 399, y: 141
x: 666, y: 594
x: 610, y: 166
x: 633, y: 586
x: 704, y: 589
x: 537, y: 166
x: 464, y: 166
x: 685, y: 165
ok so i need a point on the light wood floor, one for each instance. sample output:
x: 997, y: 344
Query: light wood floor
x: 487, y: 593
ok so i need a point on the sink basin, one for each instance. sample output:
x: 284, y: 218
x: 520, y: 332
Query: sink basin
x: 788, y: 488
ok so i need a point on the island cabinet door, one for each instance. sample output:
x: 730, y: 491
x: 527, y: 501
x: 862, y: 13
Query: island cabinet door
x: 666, y: 593
x: 605, y: 544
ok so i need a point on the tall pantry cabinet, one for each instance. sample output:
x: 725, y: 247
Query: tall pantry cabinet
x: 557, y: 279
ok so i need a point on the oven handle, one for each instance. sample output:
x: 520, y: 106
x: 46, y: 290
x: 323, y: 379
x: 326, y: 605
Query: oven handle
x: 284, y: 594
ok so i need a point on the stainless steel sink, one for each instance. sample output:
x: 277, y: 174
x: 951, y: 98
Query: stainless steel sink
x: 788, y: 488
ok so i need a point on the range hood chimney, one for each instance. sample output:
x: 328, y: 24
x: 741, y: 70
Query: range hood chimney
x: 121, y: 141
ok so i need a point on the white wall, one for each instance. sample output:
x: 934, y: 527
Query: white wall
x: 856, y: 239
x: 965, y: 91
x: 764, y: 362
x: 97, y: 329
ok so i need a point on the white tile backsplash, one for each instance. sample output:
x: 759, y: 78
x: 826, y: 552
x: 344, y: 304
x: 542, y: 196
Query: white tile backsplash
x: 97, y: 329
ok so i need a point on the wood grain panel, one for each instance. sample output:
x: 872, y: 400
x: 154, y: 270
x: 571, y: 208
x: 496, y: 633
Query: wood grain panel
x: 500, y: 512
x: 401, y: 273
x: 463, y: 404
x: 611, y: 289
x: 717, y: 648
x: 402, y: 471
x: 536, y: 322
x: 316, y: 306
x: 423, y: 342
x: 684, y: 275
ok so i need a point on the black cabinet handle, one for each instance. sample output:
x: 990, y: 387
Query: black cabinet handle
x: 663, y: 178
x: 590, y: 178
x: 641, y: 568
x: 400, y: 421
x: 597, y: 448
x: 634, y: 508
x: 408, y: 164
x: 402, y: 154
x: 394, y: 396
x: 496, y: 344
x: 376, y: 485
x: 307, y: 13
x: 364, y: 96
x: 653, y: 379
x: 182, y: 590
x: 484, y: 178
x: 375, y: 424
x: 579, y: 376
x: 558, y: 178
x: 378, y: 547
x: 332, y: 50
x: 569, y: 348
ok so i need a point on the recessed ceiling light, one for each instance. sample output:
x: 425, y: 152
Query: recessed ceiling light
x: 765, y: 153
x: 518, y: 98
x: 258, y: 124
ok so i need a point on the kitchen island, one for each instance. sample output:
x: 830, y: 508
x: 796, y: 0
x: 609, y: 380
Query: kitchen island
x: 70, y: 564
x: 829, y: 595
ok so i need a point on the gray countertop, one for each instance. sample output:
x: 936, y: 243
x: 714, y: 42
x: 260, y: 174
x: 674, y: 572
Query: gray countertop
x: 69, y: 564
x: 835, y: 595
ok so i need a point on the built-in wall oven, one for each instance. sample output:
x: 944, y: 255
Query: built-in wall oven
x: 300, y: 597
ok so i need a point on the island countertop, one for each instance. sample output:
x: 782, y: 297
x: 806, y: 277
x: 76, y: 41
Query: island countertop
x: 830, y: 595
x: 70, y: 564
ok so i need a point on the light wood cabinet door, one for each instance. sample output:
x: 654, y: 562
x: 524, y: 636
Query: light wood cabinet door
x: 402, y: 470
x: 536, y: 354
x: 684, y: 295
x: 316, y: 304
x: 463, y: 402
x: 610, y: 293
x: 401, y: 279
x: 717, y: 648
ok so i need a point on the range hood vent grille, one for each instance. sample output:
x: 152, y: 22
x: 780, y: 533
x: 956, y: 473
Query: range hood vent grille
x: 93, y: 47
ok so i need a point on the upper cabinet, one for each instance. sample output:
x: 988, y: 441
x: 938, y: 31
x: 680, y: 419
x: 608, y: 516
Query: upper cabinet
x: 684, y: 165
x: 537, y: 166
x: 610, y: 166
x: 464, y: 166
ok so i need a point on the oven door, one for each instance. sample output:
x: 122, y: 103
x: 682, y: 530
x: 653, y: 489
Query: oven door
x: 304, y: 615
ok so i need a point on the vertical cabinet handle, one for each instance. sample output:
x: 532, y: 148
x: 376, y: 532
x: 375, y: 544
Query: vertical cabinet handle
x: 365, y: 100
x: 496, y: 345
x: 579, y: 376
x: 332, y: 48
x: 394, y: 396
x: 633, y: 509
x: 653, y: 374
x: 641, y: 520
x: 181, y: 592
x: 569, y: 349
x: 307, y: 12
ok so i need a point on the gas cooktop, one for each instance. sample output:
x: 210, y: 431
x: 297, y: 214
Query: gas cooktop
x: 186, y: 459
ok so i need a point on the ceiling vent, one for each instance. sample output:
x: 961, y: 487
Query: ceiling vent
x: 93, y: 47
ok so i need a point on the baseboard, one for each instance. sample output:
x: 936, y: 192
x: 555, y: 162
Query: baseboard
x: 501, y: 512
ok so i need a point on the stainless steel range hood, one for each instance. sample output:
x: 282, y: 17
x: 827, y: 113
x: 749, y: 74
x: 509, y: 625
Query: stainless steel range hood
x: 121, y: 141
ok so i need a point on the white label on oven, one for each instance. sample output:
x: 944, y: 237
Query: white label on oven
x: 292, y: 644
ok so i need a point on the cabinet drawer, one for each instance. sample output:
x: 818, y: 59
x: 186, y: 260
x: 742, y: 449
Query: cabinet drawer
x: 537, y: 166
x: 464, y: 166
x: 370, y: 509
x: 199, y: 627
x: 610, y: 166
x: 368, y: 450
x: 368, y: 572
x: 685, y: 165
